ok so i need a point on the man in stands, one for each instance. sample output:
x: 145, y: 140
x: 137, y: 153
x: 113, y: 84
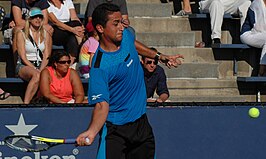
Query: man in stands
x: 217, y: 9
x: 155, y: 79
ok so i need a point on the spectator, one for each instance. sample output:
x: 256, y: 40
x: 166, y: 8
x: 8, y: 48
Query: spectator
x: 254, y: 31
x: 92, y: 4
x: 68, y: 30
x: 87, y: 51
x: 19, y: 12
x: 217, y: 8
x: 3, y: 95
x: 33, y: 44
x: 155, y: 79
x: 59, y: 83
x: 117, y: 89
x: 186, y: 7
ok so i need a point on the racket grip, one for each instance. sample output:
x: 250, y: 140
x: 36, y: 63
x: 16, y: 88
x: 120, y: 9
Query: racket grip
x: 70, y: 141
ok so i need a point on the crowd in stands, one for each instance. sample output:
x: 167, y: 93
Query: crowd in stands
x: 38, y: 25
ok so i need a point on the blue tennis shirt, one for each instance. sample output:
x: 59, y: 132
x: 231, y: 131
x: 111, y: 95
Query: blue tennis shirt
x: 118, y: 78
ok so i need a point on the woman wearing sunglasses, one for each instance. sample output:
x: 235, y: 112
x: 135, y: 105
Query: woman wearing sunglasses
x: 59, y: 83
x: 33, y: 52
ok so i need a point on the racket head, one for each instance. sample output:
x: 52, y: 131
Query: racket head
x: 26, y: 143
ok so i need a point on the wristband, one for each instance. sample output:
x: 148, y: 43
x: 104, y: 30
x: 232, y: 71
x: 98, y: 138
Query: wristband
x: 157, y: 56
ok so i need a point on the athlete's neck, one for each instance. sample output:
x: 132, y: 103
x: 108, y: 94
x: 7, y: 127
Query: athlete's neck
x: 110, y: 47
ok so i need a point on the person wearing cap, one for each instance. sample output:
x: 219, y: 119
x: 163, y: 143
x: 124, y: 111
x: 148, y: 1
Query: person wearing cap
x: 19, y: 12
x: 33, y: 51
x: 68, y: 30
x: 87, y: 51
x: 155, y: 79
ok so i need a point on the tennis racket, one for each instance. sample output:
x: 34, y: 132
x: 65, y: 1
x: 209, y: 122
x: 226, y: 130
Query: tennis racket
x: 28, y: 143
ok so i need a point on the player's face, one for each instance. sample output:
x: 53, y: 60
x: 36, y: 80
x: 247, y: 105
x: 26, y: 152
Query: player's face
x: 113, y: 30
x: 149, y: 64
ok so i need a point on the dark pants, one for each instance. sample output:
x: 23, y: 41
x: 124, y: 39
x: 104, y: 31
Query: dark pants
x: 67, y: 39
x: 130, y: 141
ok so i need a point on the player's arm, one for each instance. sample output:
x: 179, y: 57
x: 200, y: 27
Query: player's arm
x: 168, y: 60
x: 98, y: 119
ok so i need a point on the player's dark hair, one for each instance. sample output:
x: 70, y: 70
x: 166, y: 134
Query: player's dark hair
x: 101, y: 12
x: 143, y: 57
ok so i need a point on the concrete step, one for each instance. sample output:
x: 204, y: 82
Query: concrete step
x: 191, y: 55
x: 150, y: 9
x: 200, y: 83
x: 206, y: 90
x: 193, y: 70
x: 144, y: 1
x: 239, y: 98
x: 143, y: 9
x: 185, y: 39
x: 12, y: 100
x: 205, y: 55
x: 160, y: 24
x: 6, y: 4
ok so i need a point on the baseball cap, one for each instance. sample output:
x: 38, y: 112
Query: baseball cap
x: 89, y: 27
x: 35, y: 11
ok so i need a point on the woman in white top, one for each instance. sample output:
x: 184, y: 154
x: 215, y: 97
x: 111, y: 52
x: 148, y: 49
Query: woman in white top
x: 33, y: 53
x: 68, y: 30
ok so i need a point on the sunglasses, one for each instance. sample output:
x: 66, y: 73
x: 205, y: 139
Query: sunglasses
x: 64, y: 62
x: 154, y: 62
x: 37, y: 16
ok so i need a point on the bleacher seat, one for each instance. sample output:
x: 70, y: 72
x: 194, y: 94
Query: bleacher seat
x: 17, y: 86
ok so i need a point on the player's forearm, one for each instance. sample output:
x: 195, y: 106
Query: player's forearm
x: 144, y: 50
x: 99, y: 117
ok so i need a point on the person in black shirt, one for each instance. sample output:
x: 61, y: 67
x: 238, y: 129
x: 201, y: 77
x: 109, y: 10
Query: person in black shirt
x: 155, y: 80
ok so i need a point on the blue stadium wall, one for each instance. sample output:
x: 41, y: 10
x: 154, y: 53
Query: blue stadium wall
x: 197, y: 132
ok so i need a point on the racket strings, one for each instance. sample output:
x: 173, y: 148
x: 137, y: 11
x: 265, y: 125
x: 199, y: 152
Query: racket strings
x: 26, y: 144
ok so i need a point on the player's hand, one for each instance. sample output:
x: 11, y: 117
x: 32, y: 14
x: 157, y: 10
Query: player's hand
x: 125, y: 22
x: 85, y: 139
x: 171, y: 60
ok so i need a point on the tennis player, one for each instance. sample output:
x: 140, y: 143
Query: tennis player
x: 117, y: 89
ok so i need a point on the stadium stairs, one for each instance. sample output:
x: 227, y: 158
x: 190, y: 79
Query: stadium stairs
x: 205, y: 75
